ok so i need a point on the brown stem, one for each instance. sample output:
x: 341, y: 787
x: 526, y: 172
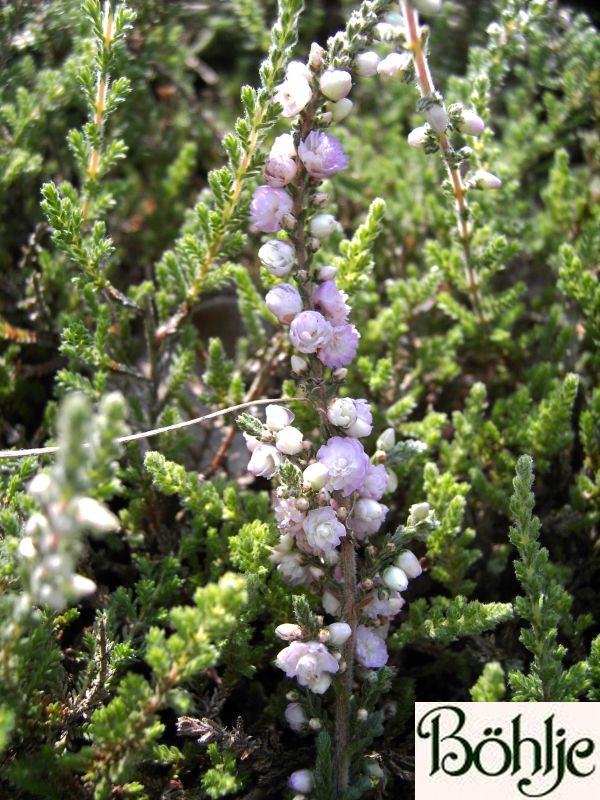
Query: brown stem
x: 349, y: 614
x: 427, y: 87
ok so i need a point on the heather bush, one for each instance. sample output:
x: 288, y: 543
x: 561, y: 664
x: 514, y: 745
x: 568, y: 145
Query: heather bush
x: 299, y: 329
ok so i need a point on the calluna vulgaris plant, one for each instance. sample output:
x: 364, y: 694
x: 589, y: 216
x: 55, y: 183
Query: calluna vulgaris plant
x: 386, y: 269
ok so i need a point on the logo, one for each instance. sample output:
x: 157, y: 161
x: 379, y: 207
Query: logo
x: 507, y: 751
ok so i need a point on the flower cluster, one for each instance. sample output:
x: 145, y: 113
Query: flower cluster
x: 51, y: 544
x: 328, y: 504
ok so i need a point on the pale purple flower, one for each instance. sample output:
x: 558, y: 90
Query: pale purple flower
x: 288, y: 516
x: 347, y: 462
x: 364, y: 420
x: 289, y: 632
x: 301, y: 781
x: 340, y: 348
x: 367, y: 517
x: 371, y: 650
x: 322, y: 155
x: 265, y: 461
x: 295, y: 92
x: 387, y: 605
x: 309, y: 331
x: 328, y: 299
x: 323, y: 530
x: 279, y: 171
x: 284, y: 301
x: 295, y: 717
x: 375, y: 483
x: 290, y: 563
x: 268, y: 207
x: 339, y: 633
x: 471, y: 123
x: 310, y: 663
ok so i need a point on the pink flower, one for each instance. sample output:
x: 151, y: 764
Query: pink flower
x: 310, y: 663
x: 340, y: 348
x: 367, y: 517
x: 323, y: 530
x: 375, y: 483
x: 309, y: 331
x: 322, y: 155
x: 331, y: 302
x: 347, y: 462
x: 279, y: 171
x: 268, y: 207
x: 371, y: 651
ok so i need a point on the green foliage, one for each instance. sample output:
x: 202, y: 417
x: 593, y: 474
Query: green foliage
x: 490, y: 687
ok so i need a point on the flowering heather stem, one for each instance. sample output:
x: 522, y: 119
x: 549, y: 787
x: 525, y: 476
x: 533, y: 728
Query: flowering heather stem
x: 427, y: 88
x: 341, y: 758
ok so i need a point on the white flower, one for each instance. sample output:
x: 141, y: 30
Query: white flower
x: 418, y: 136
x: 367, y: 517
x: 342, y: 412
x: 437, y: 117
x: 394, y: 65
x: 89, y: 513
x: 485, y: 180
x: 418, y: 513
x: 277, y: 257
x: 299, y: 365
x: 323, y: 225
x: 363, y: 425
x: 386, y: 440
x: 82, y: 586
x: 288, y: 632
x: 265, y: 461
x: 395, y: 579
x: 316, y: 475
x: 323, y: 529
x: 283, y: 146
x: 251, y: 442
x: 409, y: 563
x: 335, y: 83
x: 392, y: 483
x: 295, y: 92
x: 40, y: 485
x: 339, y: 633
x: 327, y: 273
x: 340, y: 109
x: 289, y: 440
x: 366, y: 64
x: 26, y: 548
x: 471, y: 123
x: 330, y: 603
x: 310, y: 663
x: 278, y: 417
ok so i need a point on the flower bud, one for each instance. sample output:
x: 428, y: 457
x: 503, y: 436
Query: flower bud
x: 471, y: 123
x: 327, y: 273
x: 386, y: 440
x: 342, y: 412
x: 289, y: 441
x: 394, y: 65
x: 340, y: 109
x: 288, y: 632
x: 323, y: 225
x: 392, y: 483
x: 335, y: 83
x: 330, y: 603
x: 315, y: 724
x: 277, y: 257
x: 82, y: 586
x: 409, y: 564
x: 295, y: 717
x: 40, y: 485
x: 418, y: 136
x: 26, y: 548
x: 283, y: 146
x: 316, y: 475
x: 366, y: 64
x: 320, y: 199
x: 485, y: 180
x: 437, y: 117
x: 339, y: 374
x: 315, y: 56
x: 284, y: 302
x: 418, y: 513
x: 395, y: 579
x: 301, y: 781
x: 278, y: 417
x: 299, y: 365
x: 89, y: 513
x: 362, y: 715
x: 339, y: 633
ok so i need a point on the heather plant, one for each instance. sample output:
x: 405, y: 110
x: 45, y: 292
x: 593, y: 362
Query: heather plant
x: 298, y: 300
